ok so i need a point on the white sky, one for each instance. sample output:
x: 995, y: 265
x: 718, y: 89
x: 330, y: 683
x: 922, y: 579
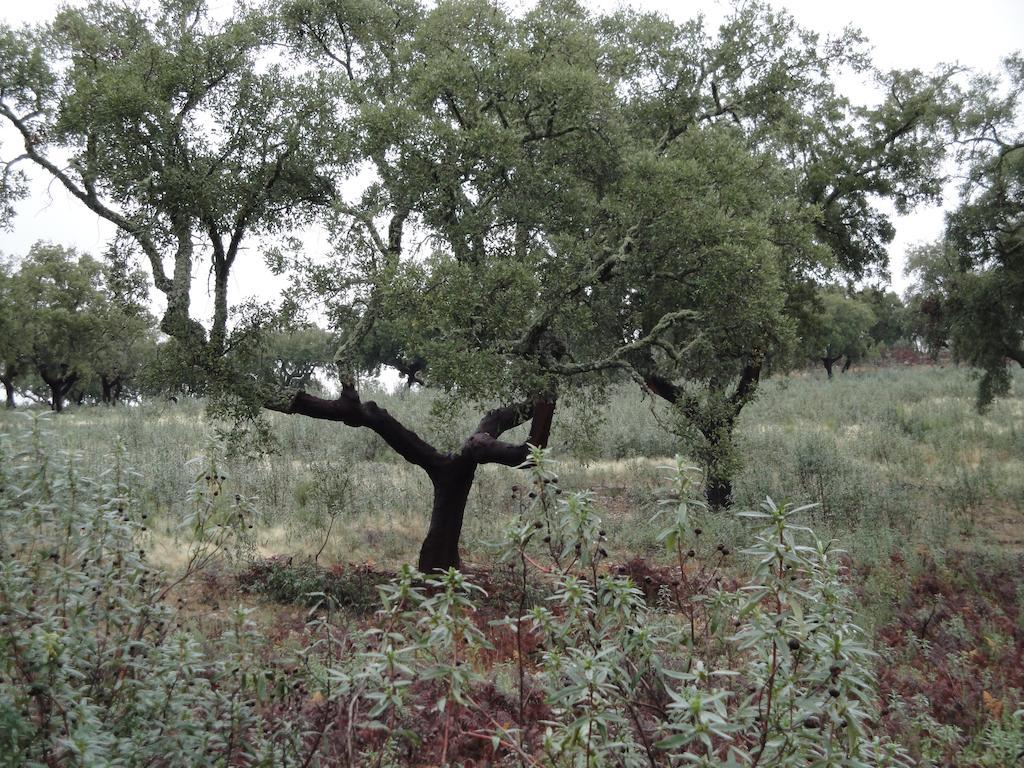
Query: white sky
x: 904, y: 34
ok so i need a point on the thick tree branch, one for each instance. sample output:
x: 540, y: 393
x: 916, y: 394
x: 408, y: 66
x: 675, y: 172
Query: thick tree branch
x: 619, y: 358
x: 602, y: 272
x: 350, y: 410
x: 89, y: 198
x: 485, y: 448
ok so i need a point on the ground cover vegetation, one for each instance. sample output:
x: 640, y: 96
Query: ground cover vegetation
x: 588, y: 242
x: 921, y: 492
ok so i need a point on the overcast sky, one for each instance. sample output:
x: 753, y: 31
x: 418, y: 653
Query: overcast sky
x: 904, y: 34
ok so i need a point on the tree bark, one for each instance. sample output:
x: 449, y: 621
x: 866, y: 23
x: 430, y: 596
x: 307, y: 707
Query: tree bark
x: 717, y: 490
x: 59, y: 386
x: 8, y: 390
x: 56, y: 398
x: 110, y: 389
x: 452, y: 484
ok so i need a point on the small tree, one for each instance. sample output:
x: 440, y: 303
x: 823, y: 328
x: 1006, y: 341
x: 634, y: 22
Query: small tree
x: 932, y: 268
x: 890, y: 315
x: 128, y: 330
x: 62, y: 304
x: 291, y: 357
x: 843, y: 329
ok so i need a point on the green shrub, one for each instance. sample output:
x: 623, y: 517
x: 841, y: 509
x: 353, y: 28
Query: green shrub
x: 774, y: 673
x: 96, y: 667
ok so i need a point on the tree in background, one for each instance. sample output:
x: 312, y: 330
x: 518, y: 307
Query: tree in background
x: 843, y: 329
x: 14, y: 348
x: 175, y: 136
x: 58, y: 297
x: 890, y: 325
x: 724, y: 283
x: 932, y: 268
x: 292, y: 357
x: 985, y: 235
x: 75, y: 327
x: 127, y: 328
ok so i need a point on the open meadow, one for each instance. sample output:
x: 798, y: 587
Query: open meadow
x: 924, y: 496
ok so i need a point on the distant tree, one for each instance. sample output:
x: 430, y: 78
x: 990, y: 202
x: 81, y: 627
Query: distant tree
x: 75, y: 329
x: 59, y: 296
x: 932, y: 267
x: 985, y: 235
x: 843, y: 329
x: 890, y: 315
x: 127, y: 328
x: 292, y: 357
x: 14, y: 347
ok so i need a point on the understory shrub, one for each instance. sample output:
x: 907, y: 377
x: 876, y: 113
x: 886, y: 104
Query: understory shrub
x: 748, y: 658
x: 97, y: 668
x: 771, y: 672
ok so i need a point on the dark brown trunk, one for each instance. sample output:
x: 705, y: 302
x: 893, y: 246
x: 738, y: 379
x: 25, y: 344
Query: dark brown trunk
x: 9, y: 391
x: 451, y: 474
x: 60, y: 385
x: 718, y: 491
x: 828, y: 362
x: 847, y: 364
x: 56, y: 396
x: 452, y: 484
x: 110, y: 389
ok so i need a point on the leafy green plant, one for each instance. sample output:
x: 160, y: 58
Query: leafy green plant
x: 96, y: 666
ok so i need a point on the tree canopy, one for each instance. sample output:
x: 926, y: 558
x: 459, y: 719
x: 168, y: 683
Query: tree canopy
x: 518, y: 200
x: 72, y: 322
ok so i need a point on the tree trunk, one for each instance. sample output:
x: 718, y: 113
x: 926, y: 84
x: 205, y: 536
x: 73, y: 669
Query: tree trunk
x: 451, y: 474
x: 452, y: 484
x: 828, y: 362
x: 56, y: 395
x: 719, y: 457
x: 110, y: 389
x: 9, y: 391
x: 847, y: 364
x: 718, y: 490
x: 60, y: 385
x: 716, y: 421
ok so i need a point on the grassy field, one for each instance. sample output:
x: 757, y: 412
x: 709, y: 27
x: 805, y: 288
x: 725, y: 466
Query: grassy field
x: 893, y: 457
x: 925, y: 494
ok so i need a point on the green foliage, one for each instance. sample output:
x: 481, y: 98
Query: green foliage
x: 96, y: 666
x: 75, y: 325
x: 787, y: 636
x: 625, y: 683
x: 843, y: 329
x: 970, y: 285
x: 863, y: 437
x: 932, y: 267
